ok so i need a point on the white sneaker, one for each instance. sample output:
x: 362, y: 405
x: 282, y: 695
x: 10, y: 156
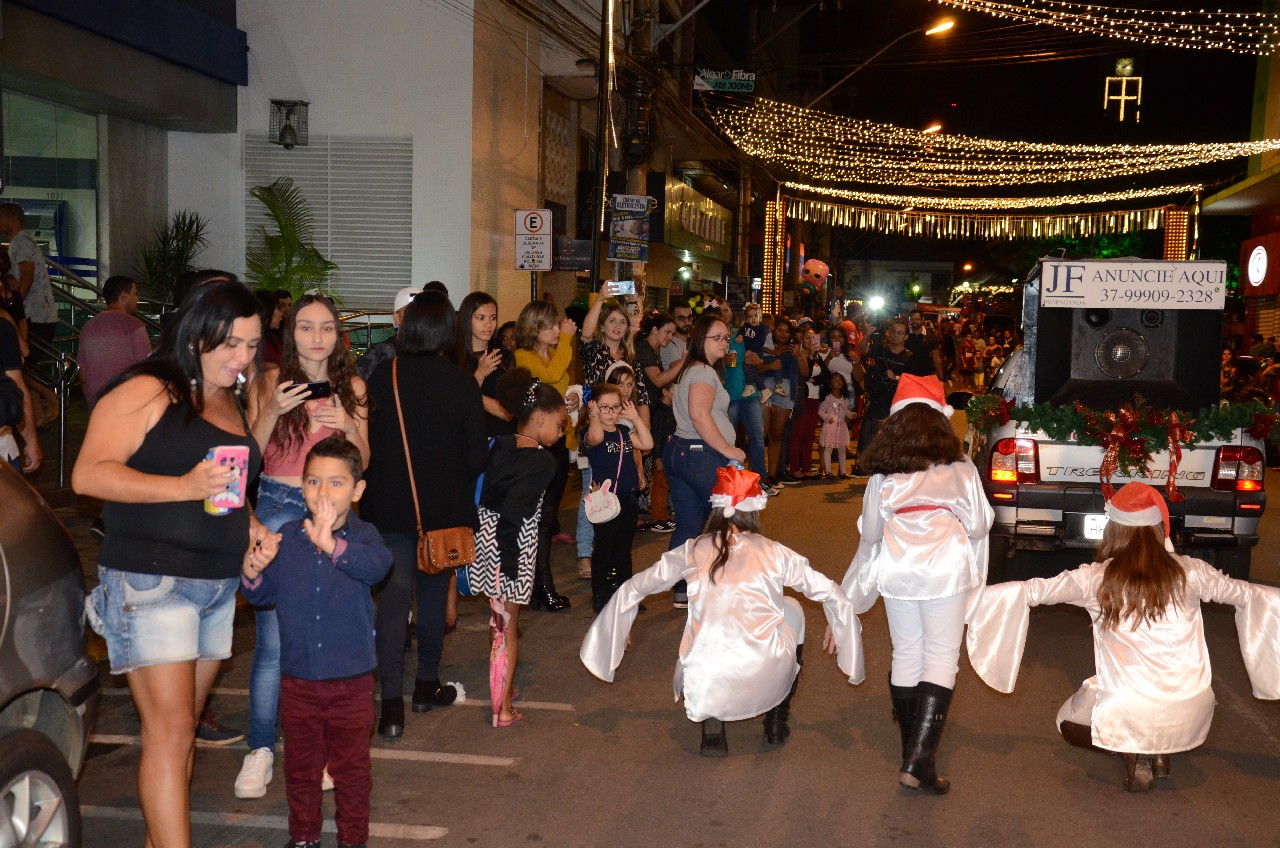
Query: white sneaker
x: 326, y: 782
x: 255, y: 774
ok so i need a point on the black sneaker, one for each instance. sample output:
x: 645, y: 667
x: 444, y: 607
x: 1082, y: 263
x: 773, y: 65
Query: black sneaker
x: 210, y: 732
x: 293, y: 843
x: 98, y: 528
x: 663, y: 527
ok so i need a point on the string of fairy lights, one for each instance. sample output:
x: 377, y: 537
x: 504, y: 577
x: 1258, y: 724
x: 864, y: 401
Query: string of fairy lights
x: 950, y: 225
x: 1256, y: 33
x: 908, y: 202
x: 824, y: 147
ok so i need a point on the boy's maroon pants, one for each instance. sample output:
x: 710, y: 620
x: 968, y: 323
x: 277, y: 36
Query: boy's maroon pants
x: 327, y: 722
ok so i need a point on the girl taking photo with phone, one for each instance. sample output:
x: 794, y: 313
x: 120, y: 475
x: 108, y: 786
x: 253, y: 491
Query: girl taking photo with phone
x: 313, y: 394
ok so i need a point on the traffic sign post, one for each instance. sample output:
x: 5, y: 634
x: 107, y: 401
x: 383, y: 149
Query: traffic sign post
x: 533, y: 244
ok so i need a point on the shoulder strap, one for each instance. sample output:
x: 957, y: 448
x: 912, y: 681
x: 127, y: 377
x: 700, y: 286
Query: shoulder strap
x: 408, y: 462
x: 622, y: 448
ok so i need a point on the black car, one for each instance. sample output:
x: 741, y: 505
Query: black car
x: 48, y: 682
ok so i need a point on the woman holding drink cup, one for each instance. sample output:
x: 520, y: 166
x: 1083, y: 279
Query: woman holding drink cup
x: 168, y: 568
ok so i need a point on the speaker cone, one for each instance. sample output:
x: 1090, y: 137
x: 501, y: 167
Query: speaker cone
x: 1122, y: 353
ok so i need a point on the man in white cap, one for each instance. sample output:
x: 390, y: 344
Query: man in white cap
x: 386, y: 350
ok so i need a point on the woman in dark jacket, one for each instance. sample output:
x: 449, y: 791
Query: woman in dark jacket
x: 446, y: 428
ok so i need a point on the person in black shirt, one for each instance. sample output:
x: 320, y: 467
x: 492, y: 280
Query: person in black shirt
x: 889, y: 358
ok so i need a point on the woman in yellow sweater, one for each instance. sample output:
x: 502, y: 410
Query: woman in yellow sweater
x: 545, y: 341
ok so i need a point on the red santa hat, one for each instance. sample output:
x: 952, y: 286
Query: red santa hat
x: 926, y: 390
x: 1138, y: 505
x: 737, y: 490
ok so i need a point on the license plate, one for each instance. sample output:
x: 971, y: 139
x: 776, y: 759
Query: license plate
x: 1094, y: 525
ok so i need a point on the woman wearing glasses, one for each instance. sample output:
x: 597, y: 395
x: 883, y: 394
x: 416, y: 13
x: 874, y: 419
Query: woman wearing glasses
x: 704, y: 438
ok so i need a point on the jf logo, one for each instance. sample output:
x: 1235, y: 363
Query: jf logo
x: 1257, y: 266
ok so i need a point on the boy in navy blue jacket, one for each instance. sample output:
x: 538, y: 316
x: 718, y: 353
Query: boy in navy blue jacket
x: 320, y: 585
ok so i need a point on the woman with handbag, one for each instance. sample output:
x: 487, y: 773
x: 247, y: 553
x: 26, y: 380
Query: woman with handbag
x: 427, y: 411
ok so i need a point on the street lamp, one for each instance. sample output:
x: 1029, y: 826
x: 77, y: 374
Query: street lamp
x: 941, y: 26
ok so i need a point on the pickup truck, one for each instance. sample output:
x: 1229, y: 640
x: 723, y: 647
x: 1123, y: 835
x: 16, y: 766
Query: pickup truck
x: 1049, y: 463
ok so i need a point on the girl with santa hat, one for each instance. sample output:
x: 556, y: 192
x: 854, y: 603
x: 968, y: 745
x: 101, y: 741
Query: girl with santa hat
x: 742, y: 645
x: 1151, y: 695
x: 923, y: 547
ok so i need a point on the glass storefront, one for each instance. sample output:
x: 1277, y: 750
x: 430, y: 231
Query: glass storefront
x: 51, y: 170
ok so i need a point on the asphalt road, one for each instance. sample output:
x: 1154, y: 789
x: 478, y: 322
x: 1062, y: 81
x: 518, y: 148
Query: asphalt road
x: 617, y: 765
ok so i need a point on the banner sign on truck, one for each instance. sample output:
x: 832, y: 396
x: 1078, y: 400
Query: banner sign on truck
x: 1133, y: 284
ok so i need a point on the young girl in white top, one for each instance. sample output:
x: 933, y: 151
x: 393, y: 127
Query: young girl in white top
x: 924, y: 529
x: 741, y: 648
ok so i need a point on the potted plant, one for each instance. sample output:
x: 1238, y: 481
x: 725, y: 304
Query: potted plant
x: 286, y: 259
x: 171, y: 253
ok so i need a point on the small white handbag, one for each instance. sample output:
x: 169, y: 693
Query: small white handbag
x: 601, y: 504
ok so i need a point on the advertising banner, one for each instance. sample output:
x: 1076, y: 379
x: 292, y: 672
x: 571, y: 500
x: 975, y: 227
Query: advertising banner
x: 629, y: 228
x: 1133, y: 284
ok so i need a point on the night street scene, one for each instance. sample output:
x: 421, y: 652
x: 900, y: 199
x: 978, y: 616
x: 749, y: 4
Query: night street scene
x: 599, y: 423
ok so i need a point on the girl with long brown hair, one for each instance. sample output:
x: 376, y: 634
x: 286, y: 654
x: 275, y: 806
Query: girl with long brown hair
x: 1151, y: 695
x: 742, y: 646
x: 923, y: 547
x: 314, y: 393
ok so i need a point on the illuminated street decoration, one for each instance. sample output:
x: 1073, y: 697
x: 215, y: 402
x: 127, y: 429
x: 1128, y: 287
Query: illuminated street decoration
x: 972, y: 226
x: 1256, y: 33
x: 992, y: 203
x: 1123, y: 88
x: 824, y: 147
x: 775, y: 233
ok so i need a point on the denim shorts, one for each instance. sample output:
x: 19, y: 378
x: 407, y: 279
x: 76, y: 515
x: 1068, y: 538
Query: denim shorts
x: 150, y: 619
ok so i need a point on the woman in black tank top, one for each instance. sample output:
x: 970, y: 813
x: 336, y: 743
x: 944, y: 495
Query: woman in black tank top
x: 168, y: 570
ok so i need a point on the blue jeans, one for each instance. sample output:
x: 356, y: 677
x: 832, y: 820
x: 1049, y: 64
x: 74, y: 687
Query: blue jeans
x: 155, y: 619
x: 278, y: 504
x: 586, y: 530
x: 691, y: 472
x: 749, y: 412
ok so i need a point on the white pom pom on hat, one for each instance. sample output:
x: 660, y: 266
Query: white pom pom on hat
x: 1137, y: 504
x: 926, y: 390
x: 737, y: 490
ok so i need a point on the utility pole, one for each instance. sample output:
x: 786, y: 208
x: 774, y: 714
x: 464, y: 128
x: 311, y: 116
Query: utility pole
x: 603, y: 99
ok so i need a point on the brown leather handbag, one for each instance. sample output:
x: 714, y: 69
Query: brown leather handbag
x: 438, y: 550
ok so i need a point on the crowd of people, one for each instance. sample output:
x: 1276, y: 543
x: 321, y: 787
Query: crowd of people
x: 358, y: 475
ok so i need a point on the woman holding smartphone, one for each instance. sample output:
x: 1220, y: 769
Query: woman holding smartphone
x: 168, y: 568
x: 313, y: 394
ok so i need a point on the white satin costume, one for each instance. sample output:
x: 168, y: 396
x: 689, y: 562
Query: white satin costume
x: 1151, y: 691
x: 737, y: 660
x: 923, y: 536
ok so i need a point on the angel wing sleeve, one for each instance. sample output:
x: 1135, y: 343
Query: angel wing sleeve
x: 606, y: 639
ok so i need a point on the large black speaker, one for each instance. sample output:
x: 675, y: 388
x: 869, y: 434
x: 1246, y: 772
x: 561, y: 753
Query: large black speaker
x: 1102, y: 357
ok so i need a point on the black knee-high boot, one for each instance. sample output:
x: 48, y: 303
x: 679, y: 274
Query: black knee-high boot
x: 776, y: 729
x: 919, y: 766
x: 906, y: 703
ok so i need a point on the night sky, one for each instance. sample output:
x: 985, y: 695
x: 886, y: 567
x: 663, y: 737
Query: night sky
x: 971, y: 79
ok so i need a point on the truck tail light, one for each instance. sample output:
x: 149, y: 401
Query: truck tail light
x: 1238, y: 469
x: 1015, y: 461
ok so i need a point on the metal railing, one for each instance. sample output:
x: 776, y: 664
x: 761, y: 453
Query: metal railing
x: 65, y: 372
x: 63, y: 292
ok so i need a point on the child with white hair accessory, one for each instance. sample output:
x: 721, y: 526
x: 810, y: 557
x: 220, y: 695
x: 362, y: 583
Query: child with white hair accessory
x: 742, y: 646
x: 1151, y: 696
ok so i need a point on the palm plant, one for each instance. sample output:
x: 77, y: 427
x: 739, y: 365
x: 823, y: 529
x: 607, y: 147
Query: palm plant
x: 286, y: 259
x: 171, y: 253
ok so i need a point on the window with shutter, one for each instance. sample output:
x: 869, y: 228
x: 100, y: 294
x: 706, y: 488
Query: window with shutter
x: 360, y: 189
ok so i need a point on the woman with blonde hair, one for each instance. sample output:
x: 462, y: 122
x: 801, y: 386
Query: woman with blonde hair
x: 544, y: 346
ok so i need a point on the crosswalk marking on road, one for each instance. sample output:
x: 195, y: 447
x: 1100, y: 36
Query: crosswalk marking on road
x: 470, y: 702
x: 376, y: 829
x: 376, y: 753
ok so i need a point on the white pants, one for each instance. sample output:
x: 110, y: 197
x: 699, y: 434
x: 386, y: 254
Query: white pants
x: 926, y: 638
